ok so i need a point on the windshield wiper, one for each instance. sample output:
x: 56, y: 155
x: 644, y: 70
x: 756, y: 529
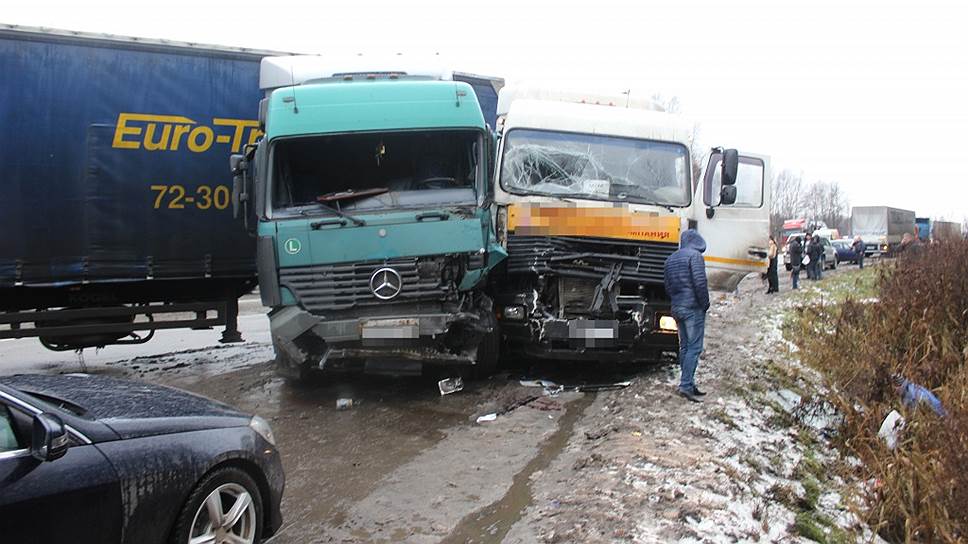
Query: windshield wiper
x: 356, y: 220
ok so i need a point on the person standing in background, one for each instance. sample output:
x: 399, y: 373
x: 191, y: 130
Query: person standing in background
x: 796, y: 260
x: 815, y: 252
x: 858, y: 247
x: 771, y: 273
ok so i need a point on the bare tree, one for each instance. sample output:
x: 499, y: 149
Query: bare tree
x: 825, y: 201
x: 696, y: 150
x: 787, y: 202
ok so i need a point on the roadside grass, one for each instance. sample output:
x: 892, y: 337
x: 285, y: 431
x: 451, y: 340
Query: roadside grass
x: 860, y: 329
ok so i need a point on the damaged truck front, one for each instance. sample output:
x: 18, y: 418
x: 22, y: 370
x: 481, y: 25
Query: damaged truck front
x: 369, y: 197
x: 591, y: 200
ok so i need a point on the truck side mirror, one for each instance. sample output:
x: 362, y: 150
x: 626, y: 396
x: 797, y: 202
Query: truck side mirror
x: 730, y: 166
x: 240, y: 194
x: 727, y: 195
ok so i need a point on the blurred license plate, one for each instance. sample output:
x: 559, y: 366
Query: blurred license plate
x: 386, y: 329
x: 593, y: 329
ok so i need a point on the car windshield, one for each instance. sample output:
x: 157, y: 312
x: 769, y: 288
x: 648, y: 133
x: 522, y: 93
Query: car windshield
x: 596, y: 167
x: 376, y: 170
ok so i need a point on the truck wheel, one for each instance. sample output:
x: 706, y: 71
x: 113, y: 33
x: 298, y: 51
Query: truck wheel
x: 489, y: 351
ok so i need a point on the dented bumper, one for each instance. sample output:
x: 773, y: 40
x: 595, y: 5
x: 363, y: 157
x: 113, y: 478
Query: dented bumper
x: 425, y: 338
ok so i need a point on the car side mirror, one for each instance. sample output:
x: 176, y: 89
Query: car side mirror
x: 727, y: 195
x: 730, y: 166
x: 49, y: 440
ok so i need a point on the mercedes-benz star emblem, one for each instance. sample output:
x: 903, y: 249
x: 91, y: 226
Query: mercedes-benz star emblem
x: 386, y: 283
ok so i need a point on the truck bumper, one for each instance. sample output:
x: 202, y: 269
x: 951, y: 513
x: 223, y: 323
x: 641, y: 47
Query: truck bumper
x: 422, y: 338
x: 587, y: 340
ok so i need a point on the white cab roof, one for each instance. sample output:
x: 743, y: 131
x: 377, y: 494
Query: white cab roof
x: 625, y: 99
x: 592, y: 119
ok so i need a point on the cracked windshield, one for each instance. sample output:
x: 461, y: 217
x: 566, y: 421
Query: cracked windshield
x: 595, y: 167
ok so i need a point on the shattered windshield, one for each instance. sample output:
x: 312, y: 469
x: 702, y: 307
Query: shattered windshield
x: 596, y: 167
x: 376, y: 170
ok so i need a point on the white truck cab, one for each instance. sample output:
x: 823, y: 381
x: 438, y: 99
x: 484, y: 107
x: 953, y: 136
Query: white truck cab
x: 592, y: 193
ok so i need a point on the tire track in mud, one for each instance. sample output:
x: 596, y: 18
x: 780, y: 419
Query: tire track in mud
x: 492, y: 523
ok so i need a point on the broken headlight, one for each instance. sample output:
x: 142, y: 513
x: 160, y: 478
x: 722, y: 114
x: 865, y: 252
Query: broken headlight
x: 514, y: 313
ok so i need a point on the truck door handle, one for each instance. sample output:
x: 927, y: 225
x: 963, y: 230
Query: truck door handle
x: 316, y: 225
x: 430, y: 215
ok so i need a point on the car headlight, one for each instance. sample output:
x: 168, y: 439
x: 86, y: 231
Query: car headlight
x: 261, y: 427
x: 668, y: 323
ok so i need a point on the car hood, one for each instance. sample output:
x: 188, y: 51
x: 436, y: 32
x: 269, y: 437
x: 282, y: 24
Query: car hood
x: 130, y: 408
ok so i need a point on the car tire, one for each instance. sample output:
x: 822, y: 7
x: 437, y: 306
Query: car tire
x: 228, y: 482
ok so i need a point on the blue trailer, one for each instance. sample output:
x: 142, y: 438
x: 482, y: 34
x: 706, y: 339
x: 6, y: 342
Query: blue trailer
x: 115, y: 191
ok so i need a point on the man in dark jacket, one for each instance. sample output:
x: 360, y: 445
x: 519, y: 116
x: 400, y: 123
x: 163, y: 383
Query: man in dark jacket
x: 796, y: 260
x: 685, y: 282
x: 815, y: 251
x: 858, y: 246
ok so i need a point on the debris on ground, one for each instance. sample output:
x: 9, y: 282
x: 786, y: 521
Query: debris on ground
x: 344, y: 404
x: 450, y: 385
x: 487, y: 417
x: 891, y: 429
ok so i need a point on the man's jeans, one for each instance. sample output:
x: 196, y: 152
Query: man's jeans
x: 860, y: 260
x: 795, y: 274
x: 692, y: 327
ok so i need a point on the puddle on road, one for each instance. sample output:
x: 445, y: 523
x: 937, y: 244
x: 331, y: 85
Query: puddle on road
x: 491, y: 524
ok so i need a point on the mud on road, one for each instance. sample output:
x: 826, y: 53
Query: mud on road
x: 405, y: 464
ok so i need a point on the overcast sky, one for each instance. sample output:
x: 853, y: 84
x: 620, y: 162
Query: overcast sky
x: 872, y: 94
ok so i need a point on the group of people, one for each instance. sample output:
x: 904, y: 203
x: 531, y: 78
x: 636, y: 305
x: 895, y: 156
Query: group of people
x: 807, y: 255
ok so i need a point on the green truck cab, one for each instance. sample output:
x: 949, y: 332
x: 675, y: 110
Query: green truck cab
x: 369, y: 198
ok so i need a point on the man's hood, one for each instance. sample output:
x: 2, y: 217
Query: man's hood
x: 691, y: 239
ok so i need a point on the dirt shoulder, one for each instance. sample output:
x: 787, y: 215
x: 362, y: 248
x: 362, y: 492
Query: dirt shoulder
x: 748, y: 464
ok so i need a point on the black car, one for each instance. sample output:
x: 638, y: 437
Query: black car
x: 96, y: 459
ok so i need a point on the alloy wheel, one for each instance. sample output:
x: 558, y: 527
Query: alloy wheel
x: 226, y: 516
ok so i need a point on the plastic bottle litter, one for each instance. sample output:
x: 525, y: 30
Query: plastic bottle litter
x: 450, y: 385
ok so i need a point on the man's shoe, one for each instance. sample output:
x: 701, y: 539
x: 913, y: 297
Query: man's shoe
x: 688, y: 395
x: 697, y: 392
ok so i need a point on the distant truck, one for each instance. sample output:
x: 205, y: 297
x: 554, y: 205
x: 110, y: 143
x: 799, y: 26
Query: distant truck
x: 881, y: 227
x: 370, y: 196
x: 946, y: 231
x: 924, y: 228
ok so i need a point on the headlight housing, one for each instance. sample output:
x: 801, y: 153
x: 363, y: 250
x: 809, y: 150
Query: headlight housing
x: 667, y: 323
x: 261, y: 427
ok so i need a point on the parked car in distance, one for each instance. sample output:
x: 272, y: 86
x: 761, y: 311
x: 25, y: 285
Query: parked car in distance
x: 94, y: 459
x: 829, y: 253
x: 845, y: 251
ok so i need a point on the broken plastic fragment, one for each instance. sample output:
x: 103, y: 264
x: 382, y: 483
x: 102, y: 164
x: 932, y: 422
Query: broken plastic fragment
x: 486, y: 418
x: 890, y: 429
x: 450, y: 385
x: 344, y: 404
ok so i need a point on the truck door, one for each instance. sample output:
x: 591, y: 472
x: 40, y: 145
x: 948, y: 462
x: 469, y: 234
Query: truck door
x: 737, y: 235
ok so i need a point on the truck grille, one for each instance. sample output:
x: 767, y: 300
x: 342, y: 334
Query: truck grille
x: 344, y: 286
x: 590, y: 258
